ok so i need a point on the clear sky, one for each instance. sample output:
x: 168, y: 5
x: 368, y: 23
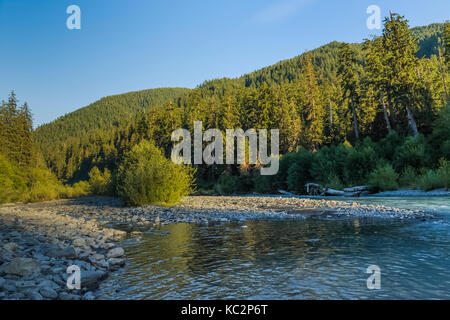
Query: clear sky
x: 127, y: 45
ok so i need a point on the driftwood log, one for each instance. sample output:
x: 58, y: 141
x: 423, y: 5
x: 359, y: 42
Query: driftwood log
x: 285, y: 193
x: 332, y: 192
x: 313, y: 189
x: 356, y: 189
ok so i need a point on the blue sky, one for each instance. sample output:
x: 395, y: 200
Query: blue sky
x: 140, y: 44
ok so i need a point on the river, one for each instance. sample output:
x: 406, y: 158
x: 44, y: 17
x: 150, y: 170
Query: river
x: 292, y: 259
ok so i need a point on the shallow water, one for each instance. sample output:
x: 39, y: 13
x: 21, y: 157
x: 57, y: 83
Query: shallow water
x: 292, y: 259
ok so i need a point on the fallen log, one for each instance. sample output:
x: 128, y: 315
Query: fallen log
x: 313, y: 189
x: 352, y: 194
x: 332, y: 192
x: 285, y: 193
x: 357, y: 189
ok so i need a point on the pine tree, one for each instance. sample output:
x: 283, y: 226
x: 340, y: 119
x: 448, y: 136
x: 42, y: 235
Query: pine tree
x: 376, y: 73
x: 229, y: 113
x: 447, y: 44
x: 8, y: 145
x: 313, y: 110
x: 349, y: 80
x: 400, y: 65
x: 289, y: 122
x: 25, y: 141
x: 444, y: 58
x: 266, y: 108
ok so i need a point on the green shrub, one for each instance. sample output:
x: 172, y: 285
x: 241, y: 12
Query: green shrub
x: 263, y: 184
x: 333, y: 182
x: 280, y: 179
x: 409, y: 178
x: 411, y: 153
x: 444, y: 173
x: 13, y: 182
x: 79, y: 189
x: 430, y: 180
x: 226, y: 184
x: 384, y: 178
x: 387, y: 146
x: 359, y: 164
x: 44, y: 185
x: 329, y: 165
x: 145, y: 176
x: 440, y: 138
x: 100, y: 182
x: 299, y: 171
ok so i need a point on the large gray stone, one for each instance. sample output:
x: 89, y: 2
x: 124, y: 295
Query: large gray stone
x: 22, y: 267
x: 68, y: 252
x: 11, y: 246
x: 24, y: 285
x: 116, y: 262
x: 48, y: 293
x: 91, y: 279
x: 33, y: 295
x: 68, y: 296
x: 46, y: 283
x: 79, y: 242
x: 115, y: 253
x: 88, y: 296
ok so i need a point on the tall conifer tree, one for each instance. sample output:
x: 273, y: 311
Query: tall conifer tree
x: 349, y: 79
x: 400, y: 62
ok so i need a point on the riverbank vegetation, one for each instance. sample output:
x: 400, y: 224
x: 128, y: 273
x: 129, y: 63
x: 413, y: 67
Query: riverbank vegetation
x: 372, y: 113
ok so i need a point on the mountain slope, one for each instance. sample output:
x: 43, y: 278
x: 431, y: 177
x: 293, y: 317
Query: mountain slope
x: 120, y: 109
x: 116, y: 110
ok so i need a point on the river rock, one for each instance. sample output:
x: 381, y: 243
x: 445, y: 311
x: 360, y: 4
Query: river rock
x: 48, y: 284
x: 108, y: 246
x: 88, y: 296
x: 115, y: 253
x: 24, y: 285
x: 96, y: 257
x: 68, y: 296
x: 48, y: 293
x: 68, y: 252
x: 11, y: 246
x: 22, y: 267
x: 116, y: 261
x: 33, y: 294
x: 91, y: 279
x: 79, y: 242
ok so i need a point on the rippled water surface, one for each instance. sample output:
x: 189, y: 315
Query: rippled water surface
x: 300, y: 259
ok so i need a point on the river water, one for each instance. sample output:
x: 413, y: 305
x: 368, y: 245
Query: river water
x: 292, y: 259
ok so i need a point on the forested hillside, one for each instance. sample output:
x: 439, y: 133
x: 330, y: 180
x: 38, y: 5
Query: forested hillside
x: 339, y: 94
x: 116, y: 110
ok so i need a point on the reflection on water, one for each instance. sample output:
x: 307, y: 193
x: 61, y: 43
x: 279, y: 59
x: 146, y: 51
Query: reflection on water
x: 299, y: 259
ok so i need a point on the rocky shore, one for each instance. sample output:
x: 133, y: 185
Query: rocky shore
x: 39, y: 241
